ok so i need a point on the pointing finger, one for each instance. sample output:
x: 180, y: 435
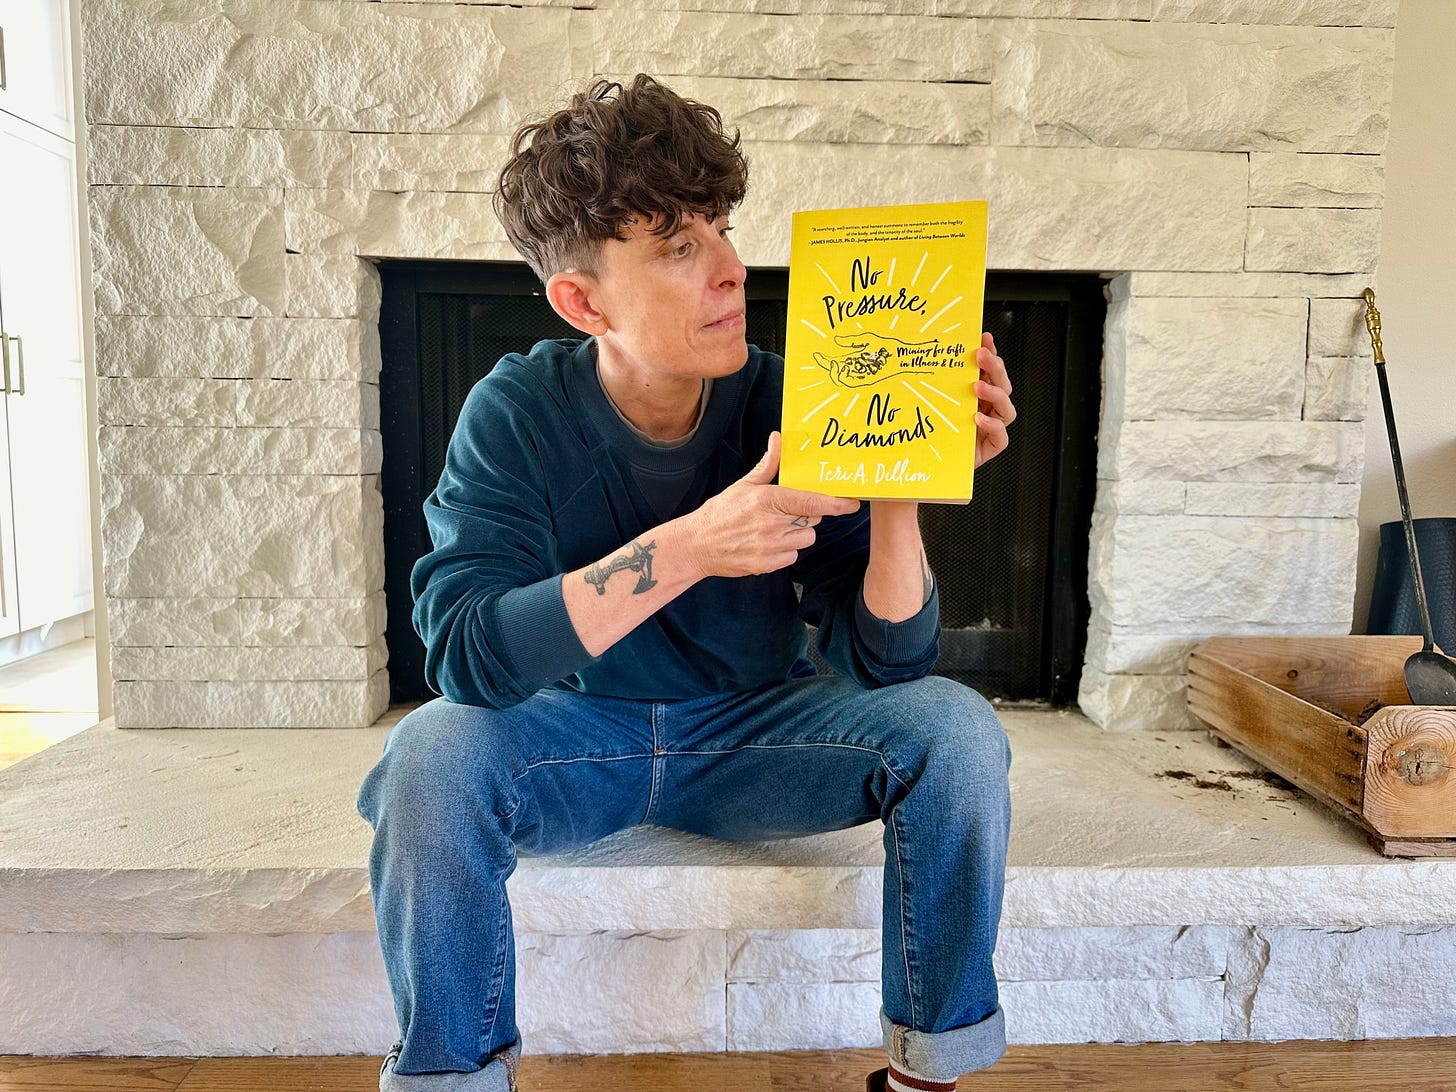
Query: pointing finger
x: 803, y: 502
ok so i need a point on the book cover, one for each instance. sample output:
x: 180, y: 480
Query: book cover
x: 884, y: 321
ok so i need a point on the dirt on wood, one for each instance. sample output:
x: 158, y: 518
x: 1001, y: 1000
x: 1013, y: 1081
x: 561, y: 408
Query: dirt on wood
x: 1359, y: 718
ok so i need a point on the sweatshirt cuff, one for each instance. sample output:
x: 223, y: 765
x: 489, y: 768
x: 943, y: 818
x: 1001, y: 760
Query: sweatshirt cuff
x: 899, y: 642
x: 542, y: 645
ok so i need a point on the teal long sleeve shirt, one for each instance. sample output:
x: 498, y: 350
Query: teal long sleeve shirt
x: 543, y: 476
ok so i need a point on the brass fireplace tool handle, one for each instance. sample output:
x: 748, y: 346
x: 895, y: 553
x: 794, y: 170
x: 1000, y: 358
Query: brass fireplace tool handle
x: 1372, y: 323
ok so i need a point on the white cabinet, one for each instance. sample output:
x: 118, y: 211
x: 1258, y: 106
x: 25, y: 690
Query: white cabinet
x: 45, y: 525
x: 35, y: 64
x: 9, y: 603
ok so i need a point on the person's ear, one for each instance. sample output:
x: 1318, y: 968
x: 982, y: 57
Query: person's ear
x: 572, y: 296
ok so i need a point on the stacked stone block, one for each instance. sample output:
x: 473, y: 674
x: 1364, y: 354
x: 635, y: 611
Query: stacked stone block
x: 1218, y: 160
x: 712, y: 990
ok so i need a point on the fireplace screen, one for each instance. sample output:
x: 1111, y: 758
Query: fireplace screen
x: 1012, y: 564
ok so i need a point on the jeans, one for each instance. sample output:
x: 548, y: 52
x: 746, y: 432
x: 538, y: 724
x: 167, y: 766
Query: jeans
x: 460, y: 789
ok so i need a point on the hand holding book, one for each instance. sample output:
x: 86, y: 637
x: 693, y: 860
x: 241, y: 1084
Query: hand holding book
x: 898, y: 579
x: 996, y: 410
x: 754, y: 526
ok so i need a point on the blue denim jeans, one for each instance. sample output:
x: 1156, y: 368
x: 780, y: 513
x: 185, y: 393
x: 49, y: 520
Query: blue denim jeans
x: 461, y: 789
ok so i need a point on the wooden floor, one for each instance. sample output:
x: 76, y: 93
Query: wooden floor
x: 1375, y: 1065
x: 45, y: 698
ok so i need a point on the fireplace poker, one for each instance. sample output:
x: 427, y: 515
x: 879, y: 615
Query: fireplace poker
x: 1430, y: 677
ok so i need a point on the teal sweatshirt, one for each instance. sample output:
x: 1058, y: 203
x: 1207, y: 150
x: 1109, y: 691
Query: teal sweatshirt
x: 543, y: 475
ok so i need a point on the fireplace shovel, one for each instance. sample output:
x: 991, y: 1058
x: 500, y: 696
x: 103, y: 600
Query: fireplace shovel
x: 1430, y: 677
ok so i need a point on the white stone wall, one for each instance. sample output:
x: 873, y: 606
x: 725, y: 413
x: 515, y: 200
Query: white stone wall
x: 735, y: 990
x: 1218, y: 160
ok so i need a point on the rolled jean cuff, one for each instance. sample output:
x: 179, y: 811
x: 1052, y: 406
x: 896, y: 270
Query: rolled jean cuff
x: 946, y: 1055
x: 497, y: 1075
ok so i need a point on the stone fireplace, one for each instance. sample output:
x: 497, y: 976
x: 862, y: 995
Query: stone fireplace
x: 249, y: 166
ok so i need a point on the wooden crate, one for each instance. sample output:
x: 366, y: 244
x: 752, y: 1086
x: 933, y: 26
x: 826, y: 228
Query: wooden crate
x: 1293, y: 703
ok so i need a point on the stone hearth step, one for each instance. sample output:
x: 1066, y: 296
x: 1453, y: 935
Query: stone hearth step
x: 205, y: 891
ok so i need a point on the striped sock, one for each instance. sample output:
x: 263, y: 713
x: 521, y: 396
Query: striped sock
x: 904, y: 1079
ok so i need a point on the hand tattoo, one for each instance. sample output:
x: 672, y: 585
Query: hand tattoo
x: 639, y: 562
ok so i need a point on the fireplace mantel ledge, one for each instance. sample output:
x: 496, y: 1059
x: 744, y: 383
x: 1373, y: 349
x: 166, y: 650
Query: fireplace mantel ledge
x: 254, y: 830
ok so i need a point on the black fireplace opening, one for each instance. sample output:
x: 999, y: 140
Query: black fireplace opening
x: 1011, y: 564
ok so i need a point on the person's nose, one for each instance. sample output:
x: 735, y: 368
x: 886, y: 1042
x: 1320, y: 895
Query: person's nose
x: 733, y: 272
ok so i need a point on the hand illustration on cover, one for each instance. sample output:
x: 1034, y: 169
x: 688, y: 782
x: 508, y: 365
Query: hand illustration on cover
x: 869, y: 358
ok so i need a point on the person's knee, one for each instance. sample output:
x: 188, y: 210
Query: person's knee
x: 441, y: 757
x: 960, y: 731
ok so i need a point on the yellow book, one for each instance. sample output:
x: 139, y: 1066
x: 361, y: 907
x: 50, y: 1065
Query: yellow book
x: 880, y: 368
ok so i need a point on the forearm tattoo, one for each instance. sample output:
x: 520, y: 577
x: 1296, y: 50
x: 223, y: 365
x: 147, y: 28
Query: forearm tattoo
x: 639, y: 561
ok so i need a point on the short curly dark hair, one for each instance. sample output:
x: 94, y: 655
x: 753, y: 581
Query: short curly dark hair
x: 578, y: 176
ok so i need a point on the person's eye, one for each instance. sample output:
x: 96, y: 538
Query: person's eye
x: 681, y: 251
